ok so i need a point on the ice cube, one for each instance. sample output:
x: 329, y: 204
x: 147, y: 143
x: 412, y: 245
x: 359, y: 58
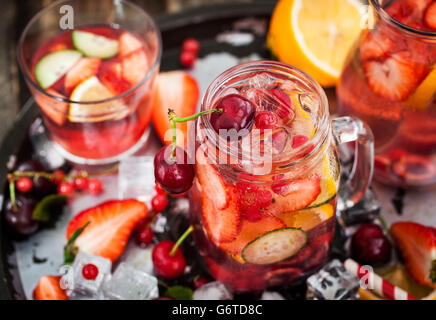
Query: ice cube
x: 366, y: 210
x: 271, y: 295
x: 159, y: 224
x: 136, y: 178
x: 213, y: 291
x: 139, y: 258
x: 260, y: 81
x: 128, y: 283
x: 82, y: 286
x: 332, y: 282
x: 45, y: 150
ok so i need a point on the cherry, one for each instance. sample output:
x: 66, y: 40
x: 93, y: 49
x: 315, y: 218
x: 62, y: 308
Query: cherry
x: 167, y: 266
x: 199, y: 281
x: 265, y: 120
x: 66, y: 188
x: 237, y: 113
x: 144, y: 236
x: 369, y: 245
x: 81, y: 183
x: 191, y: 45
x: 58, y: 176
x: 159, y: 203
x: 187, y: 59
x: 174, y: 175
x: 95, y: 186
x: 89, y: 271
x: 21, y: 219
x: 24, y: 184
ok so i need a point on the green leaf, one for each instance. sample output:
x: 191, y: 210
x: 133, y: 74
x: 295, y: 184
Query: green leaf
x: 70, y: 250
x: 47, y: 206
x: 179, y: 293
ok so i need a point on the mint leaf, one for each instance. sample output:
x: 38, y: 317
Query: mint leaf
x: 47, y: 206
x: 179, y: 293
x: 70, y: 250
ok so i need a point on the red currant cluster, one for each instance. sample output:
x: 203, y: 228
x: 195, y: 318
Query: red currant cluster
x: 79, y: 181
x: 190, y: 49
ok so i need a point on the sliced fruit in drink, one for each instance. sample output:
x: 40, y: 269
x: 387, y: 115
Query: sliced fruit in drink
x: 93, y: 90
x: 93, y: 45
x: 54, y: 109
x: 430, y: 16
x: 129, y: 43
x: 422, y: 96
x: 82, y: 70
x: 281, y: 276
x: 308, y: 218
x: 375, y: 44
x: 274, y: 246
x: 295, y: 195
x: 135, y: 67
x: 54, y: 65
x: 250, y: 231
x: 211, y: 181
x: 414, y: 168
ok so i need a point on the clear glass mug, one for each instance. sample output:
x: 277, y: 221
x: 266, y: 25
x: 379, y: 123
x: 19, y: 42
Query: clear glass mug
x: 112, y: 121
x: 291, y: 237
x: 389, y: 81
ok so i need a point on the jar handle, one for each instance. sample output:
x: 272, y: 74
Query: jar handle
x: 349, y: 129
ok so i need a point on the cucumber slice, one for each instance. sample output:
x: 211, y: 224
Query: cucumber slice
x: 93, y: 45
x: 274, y: 246
x: 54, y: 65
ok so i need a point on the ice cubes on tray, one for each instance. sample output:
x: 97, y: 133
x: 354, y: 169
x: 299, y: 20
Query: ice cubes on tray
x: 213, y: 291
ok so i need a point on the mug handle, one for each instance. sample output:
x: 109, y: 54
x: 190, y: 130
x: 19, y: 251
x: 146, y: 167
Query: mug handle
x: 349, y: 129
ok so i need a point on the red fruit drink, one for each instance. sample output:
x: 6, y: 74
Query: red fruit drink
x: 389, y: 82
x: 255, y: 226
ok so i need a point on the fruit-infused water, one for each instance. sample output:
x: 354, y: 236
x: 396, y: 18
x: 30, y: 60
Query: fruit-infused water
x: 389, y: 82
x: 267, y: 219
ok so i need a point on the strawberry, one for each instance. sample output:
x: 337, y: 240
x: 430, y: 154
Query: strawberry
x: 179, y: 91
x: 393, y: 78
x: 110, y: 226
x: 418, y: 247
x: 211, y: 181
x: 129, y: 43
x: 375, y: 44
x: 295, y: 195
x: 54, y: 109
x: 221, y: 225
x: 135, y: 66
x: 84, y: 69
x: 250, y: 231
x: 430, y: 16
x: 110, y: 74
x: 48, y: 288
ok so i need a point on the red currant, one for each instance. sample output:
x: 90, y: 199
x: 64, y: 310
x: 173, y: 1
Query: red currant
x: 265, y: 120
x: 58, y: 176
x: 159, y: 203
x: 191, y: 45
x: 95, y: 186
x: 81, y: 183
x: 159, y: 190
x: 187, y: 59
x: 66, y: 188
x: 199, y: 281
x: 89, y: 271
x: 144, y: 236
x: 24, y: 184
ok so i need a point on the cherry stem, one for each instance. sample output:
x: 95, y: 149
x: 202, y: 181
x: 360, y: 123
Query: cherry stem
x: 174, y: 119
x: 181, y: 239
x: 384, y: 224
x: 12, y: 195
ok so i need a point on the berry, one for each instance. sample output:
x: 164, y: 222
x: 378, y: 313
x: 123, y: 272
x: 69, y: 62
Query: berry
x: 81, y: 183
x: 253, y: 214
x: 237, y: 113
x: 430, y: 16
x: 187, y: 59
x: 263, y: 198
x: 41, y: 186
x: 191, y: 45
x: 21, y: 220
x: 167, y: 266
x: 95, y: 186
x: 24, y: 184
x: 369, y: 245
x: 199, y: 281
x: 299, y: 140
x: 143, y: 236
x: 173, y: 175
x: 159, y: 203
x: 66, y: 188
x: 58, y: 176
x: 265, y: 120
x: 245, y: 188
x: 89, y: 271
x: 159, y: 190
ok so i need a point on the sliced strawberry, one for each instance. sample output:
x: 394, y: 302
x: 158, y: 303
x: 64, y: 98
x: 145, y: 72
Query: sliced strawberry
x: 295, y: 195
x: 375, y: 44
x: 84, y: 69
x: 111, y: 75
x: 129, y: 43
x: 111, y: 224
x: 430, y: 16
x: 179, y: 91
x: 211, y: 181
x: 393, y: 78
x: 418, y: 247
x: 250, y: 231
x: 135, y: 66
x: 54, y: 109
x: 48, y: 288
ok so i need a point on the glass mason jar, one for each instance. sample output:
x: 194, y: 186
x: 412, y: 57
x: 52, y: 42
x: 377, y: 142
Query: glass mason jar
x: 389, y: 81
x: 263, y: 204
x: 99, y: 108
